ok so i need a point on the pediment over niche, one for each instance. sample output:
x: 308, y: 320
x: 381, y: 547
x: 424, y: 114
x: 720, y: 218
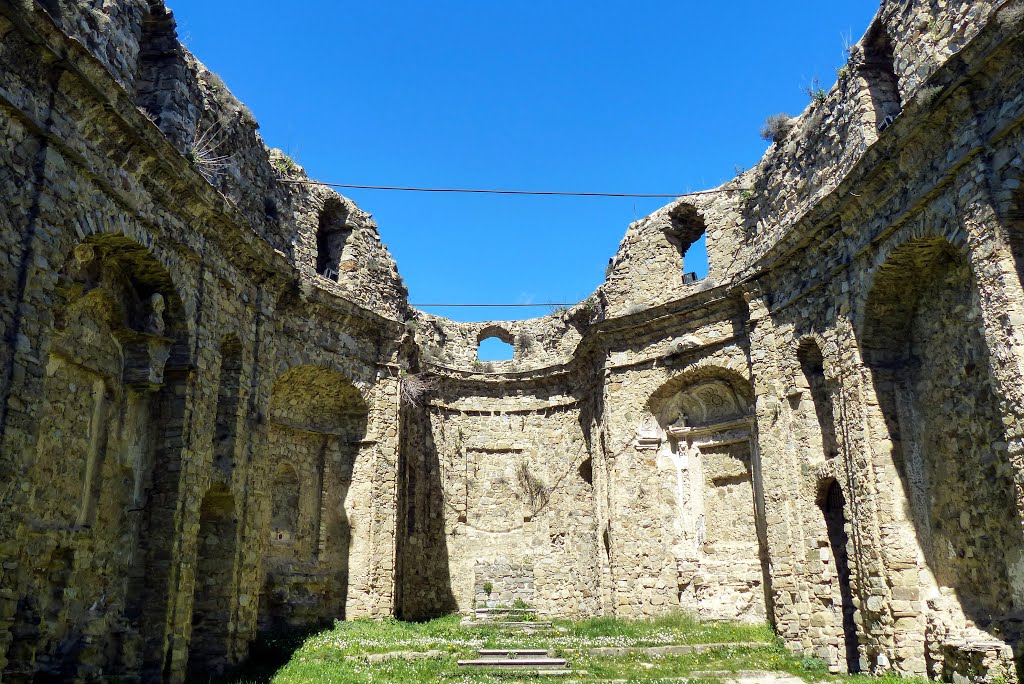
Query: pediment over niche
x: 707, y: 402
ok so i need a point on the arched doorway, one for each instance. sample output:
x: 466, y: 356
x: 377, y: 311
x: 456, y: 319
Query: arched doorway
x: 706, y: 449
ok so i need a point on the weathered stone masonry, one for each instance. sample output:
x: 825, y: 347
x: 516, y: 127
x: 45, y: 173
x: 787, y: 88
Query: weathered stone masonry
x: 219, y: 415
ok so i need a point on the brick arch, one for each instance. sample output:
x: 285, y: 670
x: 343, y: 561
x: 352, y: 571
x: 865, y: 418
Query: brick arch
x: 816, y: 374
x: 121, y: 230
x: 317, y: 427
x: 828, y: 349
x: 119, y: 361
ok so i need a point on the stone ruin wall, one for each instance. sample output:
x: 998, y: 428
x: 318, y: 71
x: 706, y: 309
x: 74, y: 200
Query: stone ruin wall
x: 203, y: 434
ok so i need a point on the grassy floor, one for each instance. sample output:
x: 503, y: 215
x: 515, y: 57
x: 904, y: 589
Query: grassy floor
x: 345, y: 653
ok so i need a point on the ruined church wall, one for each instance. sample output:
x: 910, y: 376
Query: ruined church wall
x: 109, y: 517
x: 145, y: 444
x: 907, y: 619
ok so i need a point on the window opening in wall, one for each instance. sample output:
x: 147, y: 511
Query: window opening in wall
x: 284, y: 506
x: 331, y: 235
x: 686, y: 232
x: 879, y: 70
x: 835, y: 526
x: 495, y: 344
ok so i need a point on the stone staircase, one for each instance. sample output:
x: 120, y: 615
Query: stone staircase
x: 520, y: 661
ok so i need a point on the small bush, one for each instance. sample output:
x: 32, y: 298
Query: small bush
x: 488, y: 587
x: 285, y: 165
x: 928, y: 95
x: 813, y: 665
x: 815, y: 91
x: 776, y: 127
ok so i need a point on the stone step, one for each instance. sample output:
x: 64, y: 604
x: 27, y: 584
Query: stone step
x: 507, y: 624
x: 512, y: 652
x: 503, y: 611
x: 534, y: 663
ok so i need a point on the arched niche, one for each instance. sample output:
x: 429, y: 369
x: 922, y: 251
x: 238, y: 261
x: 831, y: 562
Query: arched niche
x: 284, y: 505
x: 937, y: 430
x: 227, y: 418
x: 107, y: 457
x: 878, y: 69
x: 318, y: 421
x: 706, y: 453
x: 839, y: 589
x: 817, y: 397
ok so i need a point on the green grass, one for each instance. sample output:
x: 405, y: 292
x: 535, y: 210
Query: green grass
x: 343, y: 653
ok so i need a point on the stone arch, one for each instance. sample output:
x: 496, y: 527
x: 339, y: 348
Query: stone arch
x: 701, y: 396
x: 213, y: 597
x: 318, y: 421
x: 332, y: 235
x: 706, y: 451
x: 226, y: 420
x: 936, y: 428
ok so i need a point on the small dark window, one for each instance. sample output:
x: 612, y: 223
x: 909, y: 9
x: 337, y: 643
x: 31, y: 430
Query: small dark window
x: 879, y: 71
x: 686, y: 232
x: 331, y: 235
x: 813, y: 366
x: 832, y: 506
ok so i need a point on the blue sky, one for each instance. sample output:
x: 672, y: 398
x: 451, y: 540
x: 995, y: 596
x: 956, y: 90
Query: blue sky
x: 646, y: 97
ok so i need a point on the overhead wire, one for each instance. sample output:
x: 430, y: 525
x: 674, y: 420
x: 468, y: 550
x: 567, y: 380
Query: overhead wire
x: 498, y: 191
